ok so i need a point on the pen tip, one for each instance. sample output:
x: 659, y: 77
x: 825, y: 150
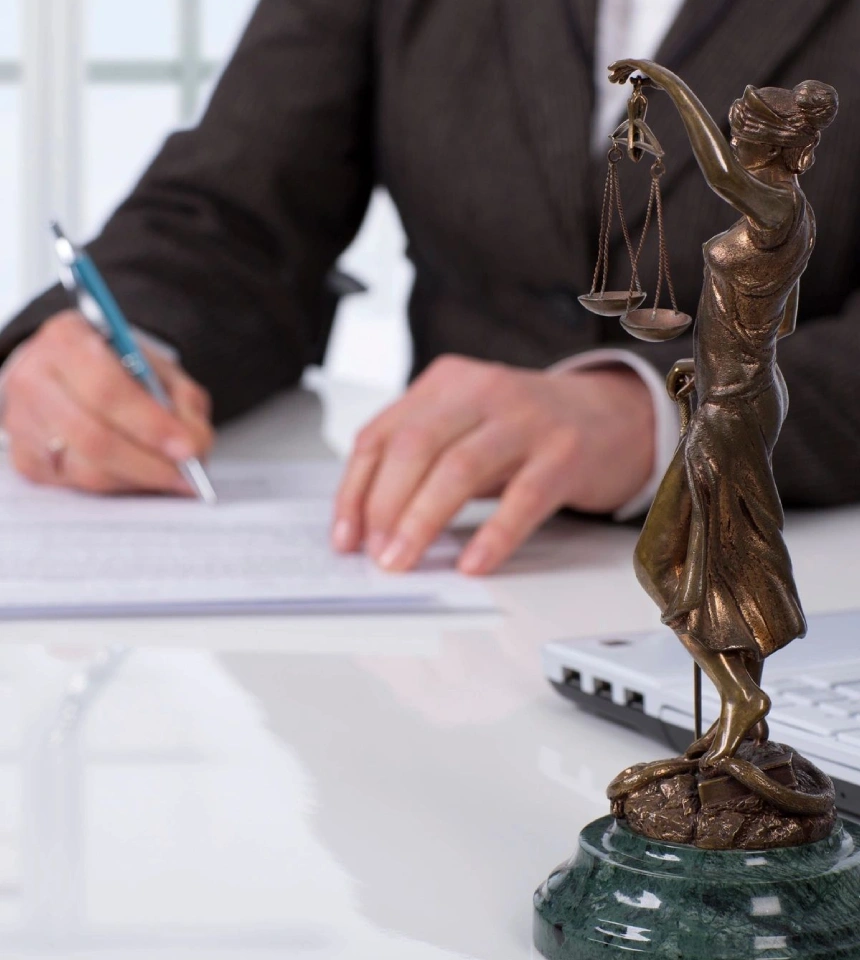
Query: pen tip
x: 56, y: 230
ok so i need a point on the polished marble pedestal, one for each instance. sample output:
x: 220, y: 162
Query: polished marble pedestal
x: 623, y: 894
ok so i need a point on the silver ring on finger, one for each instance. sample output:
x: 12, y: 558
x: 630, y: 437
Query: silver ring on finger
x: 56, y: 450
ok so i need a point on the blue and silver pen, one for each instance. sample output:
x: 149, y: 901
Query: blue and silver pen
x: 89, y: 292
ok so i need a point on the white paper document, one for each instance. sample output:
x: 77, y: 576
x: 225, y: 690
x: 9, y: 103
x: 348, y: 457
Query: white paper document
x: 263, y: 549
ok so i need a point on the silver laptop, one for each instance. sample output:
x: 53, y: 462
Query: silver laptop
x: 645, y: 681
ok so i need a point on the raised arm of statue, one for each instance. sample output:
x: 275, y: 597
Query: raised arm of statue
x: 767, y: 205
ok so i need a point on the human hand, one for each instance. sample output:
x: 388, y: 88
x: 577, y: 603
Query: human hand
x: 76, y: 418
x: 467, y: 429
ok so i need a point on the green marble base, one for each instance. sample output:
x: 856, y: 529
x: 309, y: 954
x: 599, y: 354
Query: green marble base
x: 622, y: 894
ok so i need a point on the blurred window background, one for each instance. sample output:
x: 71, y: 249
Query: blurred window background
x: 10, y: 150
x: 89, y: 89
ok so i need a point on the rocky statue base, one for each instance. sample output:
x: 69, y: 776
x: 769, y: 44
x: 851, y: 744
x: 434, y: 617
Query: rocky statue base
x: 623, y: 894
x: 720, y: 812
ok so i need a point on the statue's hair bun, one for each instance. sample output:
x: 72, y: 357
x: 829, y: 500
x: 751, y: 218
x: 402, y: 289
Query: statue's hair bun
x: 818, y: 102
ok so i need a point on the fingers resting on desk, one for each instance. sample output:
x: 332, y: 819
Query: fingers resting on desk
x: 468, y: 429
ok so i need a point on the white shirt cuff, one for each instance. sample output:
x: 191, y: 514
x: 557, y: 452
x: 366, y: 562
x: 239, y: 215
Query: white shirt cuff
x: 667, y: 420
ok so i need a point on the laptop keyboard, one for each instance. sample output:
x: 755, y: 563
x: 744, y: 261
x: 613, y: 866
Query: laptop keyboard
x: 818, y: 707
x: 814, y: 688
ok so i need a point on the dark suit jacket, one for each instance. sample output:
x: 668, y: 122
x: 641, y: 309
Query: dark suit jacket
x: 475, y: 114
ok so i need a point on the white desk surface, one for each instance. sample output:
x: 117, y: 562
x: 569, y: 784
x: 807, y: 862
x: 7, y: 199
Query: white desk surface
x: 321, y: 787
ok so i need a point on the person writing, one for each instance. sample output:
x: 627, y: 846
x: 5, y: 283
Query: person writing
x: 478, y: 119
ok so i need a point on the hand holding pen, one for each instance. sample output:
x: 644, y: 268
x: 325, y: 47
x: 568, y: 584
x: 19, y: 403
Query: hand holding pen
x: 75, y: 417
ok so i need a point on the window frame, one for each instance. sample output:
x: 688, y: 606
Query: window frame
x: 53, y: 75
x: 11, y: 76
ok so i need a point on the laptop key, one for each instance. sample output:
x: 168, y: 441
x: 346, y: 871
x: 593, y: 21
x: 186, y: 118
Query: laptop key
x: 810, y: 695
x: 810, y: 678
x: 846, y: 707
x: 812, y: 720
x: 825, y: 674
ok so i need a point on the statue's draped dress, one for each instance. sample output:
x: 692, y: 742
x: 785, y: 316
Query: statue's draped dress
x: 721, y: 572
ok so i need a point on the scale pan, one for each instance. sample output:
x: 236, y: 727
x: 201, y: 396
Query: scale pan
x: 662, y: 324
x: 612, y: 303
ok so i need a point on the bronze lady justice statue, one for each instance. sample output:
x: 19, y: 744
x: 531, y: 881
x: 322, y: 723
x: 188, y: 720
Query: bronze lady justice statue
x: 711, y: 553
x: 669, y: 874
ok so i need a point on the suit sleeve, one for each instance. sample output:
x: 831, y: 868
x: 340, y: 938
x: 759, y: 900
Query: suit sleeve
x: 223, y: 248
x: 816, y: 461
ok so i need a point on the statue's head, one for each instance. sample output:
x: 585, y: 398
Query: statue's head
x: 772, y: 125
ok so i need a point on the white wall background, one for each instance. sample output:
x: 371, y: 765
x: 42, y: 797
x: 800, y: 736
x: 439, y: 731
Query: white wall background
x: 88, y: 91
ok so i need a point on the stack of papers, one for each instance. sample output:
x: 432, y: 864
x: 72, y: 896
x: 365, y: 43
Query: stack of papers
x: 264, y: 549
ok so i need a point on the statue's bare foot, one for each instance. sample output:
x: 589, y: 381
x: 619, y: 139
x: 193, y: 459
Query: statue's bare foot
x: 700, y: 746
x: 739, y: 719
x: 760, y: 732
